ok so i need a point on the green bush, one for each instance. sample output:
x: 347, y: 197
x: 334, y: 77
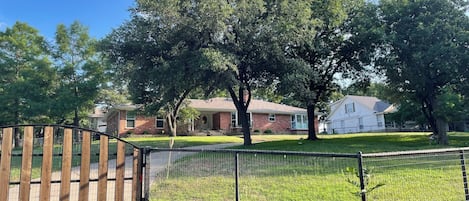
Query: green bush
x: 268, y: 131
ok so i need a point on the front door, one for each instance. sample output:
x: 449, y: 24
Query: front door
x: 204, y: 122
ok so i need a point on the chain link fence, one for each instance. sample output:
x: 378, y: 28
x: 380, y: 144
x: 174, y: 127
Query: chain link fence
x: 275, y: 175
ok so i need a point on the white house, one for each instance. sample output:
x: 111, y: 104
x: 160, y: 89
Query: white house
x: 354, y: 114
x: 97, y: 119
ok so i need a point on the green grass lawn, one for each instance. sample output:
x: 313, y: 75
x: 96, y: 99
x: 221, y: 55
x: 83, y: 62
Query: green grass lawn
x: 266, y: 177
x: 210, y: 177
x: 366, y: 142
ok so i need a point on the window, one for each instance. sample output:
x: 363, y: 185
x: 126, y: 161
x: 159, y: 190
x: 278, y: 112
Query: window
x: 237, y: 124
x: 272, y: 117
x: 342, y: 123
x: 378, y: 119
x: 130, y: 119
x: 234, y: 120
x: 360, y: 122
x: 159, y: 122
x: 349, y: 108
x: 299, y: 121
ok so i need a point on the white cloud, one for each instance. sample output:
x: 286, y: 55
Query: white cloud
x: 3, y: 26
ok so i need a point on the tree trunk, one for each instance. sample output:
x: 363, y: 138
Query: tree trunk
x: 243, y: 117
x: 171, y: 124
x: 442, y: 133
x: 16, y: 132
x: 76, y: 120
x: 437, y: 124
x: 311, y: 123
x: 241, y: 103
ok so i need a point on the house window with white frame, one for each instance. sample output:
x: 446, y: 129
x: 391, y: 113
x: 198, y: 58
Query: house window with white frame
x: 378, y: 119
x: 235, y: 123
x: 299, y: 121
x: 159, y: 122
x: 234, y: 120
x: 130, y: 119
x: 360, y: 123
x: 272, y: 117
x: 349, y: 108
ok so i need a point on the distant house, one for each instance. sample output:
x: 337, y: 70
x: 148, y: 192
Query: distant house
x: 217, y: 115
x: 98, y: 119
x: 354, y: 114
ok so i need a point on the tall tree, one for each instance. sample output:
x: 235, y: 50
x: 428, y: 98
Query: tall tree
x: 26, y: 76
x: 162, y: 59
x: 80, y: 69
x: 427, y: 42
x: 338, y: 41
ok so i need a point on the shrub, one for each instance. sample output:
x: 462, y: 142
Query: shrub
x: 268, y: 131
x: 257, y: 131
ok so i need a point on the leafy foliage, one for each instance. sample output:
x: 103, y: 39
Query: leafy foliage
x: 366, y: 180
x: 427, y: 46
x: 341, y: 41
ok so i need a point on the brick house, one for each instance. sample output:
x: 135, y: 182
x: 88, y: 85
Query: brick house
x: 216, y: 115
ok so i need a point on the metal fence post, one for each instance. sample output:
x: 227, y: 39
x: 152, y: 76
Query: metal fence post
x: 237, y: 176
x: 146, y: 188
x: 361, y: 175
x: 464, y: 176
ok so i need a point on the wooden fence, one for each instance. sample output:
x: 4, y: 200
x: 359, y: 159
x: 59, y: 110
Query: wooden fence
x: 61, y: 163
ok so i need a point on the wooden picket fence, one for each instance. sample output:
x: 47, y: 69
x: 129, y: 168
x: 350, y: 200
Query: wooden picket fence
x: 58, y: 179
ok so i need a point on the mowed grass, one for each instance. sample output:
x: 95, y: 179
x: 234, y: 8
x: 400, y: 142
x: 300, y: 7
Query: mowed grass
x: 364, y: 142
x: 267, y: 177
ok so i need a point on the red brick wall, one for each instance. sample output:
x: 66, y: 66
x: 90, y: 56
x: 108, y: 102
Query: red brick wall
x: 142, y: 124
x: 225, y: 120
x: 280, y: 125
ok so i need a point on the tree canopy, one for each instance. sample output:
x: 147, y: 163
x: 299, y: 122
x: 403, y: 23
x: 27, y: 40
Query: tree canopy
x: 427, y: 46
x: 341, y: 43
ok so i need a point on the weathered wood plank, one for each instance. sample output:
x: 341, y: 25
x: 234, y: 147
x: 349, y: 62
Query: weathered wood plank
x: 5, y: 163
x: 26, y: 164
x: 120, y: 171
x: 135, y: 176
x: 85, y: 167
x: 103, y: 167
x: 66, y: 165
x: 46, y: 171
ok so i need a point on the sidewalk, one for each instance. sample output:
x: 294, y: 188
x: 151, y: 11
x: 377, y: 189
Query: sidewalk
x: 158, y: 162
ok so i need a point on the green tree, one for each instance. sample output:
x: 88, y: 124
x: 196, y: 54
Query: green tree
x: 80, y: 69
x: 339, y: 41
x: 183, y: 46
x: 161, y: 58
x: 26, y: 76
x: 427, y: 42
x: 374, y: 89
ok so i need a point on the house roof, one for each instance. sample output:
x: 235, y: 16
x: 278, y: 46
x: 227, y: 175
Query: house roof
x: 227, y: 105
x: 369, y: 102
x: 256, y: 106
x: 98, y: 112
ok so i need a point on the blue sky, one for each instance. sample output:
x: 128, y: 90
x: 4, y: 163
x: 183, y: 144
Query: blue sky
x: 100, y: 16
